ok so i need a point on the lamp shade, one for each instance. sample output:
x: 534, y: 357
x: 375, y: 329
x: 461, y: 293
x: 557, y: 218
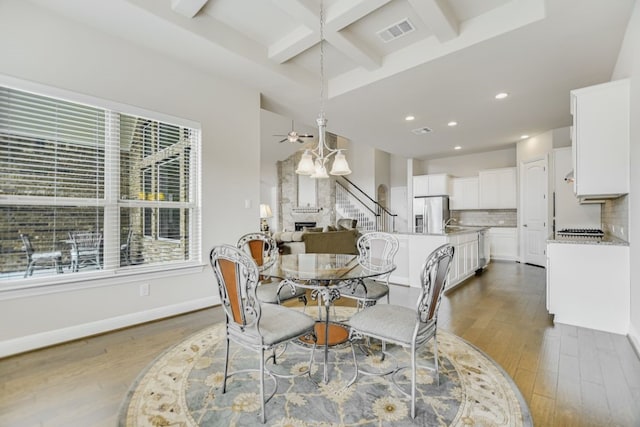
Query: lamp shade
x: 265, y: 211
x: 340, y: 165
x: 306, y: 167
x: 320, y: 171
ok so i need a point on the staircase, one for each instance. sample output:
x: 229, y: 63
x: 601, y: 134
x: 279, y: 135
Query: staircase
x: 352, y: 202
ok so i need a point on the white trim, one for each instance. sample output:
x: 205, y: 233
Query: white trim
x: 95, y: 279
x: 634, y: 339
x: 57, y: 336
x: 504, y: 258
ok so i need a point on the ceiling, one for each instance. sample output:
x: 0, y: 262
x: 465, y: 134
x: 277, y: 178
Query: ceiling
x: 458, y: 56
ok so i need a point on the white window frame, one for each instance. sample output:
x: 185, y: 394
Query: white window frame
x: 111, y: 202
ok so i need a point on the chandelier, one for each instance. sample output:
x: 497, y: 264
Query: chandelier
x: 314, y: 161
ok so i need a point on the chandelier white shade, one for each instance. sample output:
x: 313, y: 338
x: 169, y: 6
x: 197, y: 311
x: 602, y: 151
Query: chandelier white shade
x: 314, y: 161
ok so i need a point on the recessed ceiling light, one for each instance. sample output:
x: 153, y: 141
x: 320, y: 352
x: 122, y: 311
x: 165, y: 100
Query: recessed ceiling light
x: 409, y: 118
x: 452, y: 123
x: 502, y: 95
x: 524, y: 136
x: 457, y: 147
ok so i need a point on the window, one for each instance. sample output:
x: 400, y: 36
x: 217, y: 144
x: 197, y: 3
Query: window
x: 73, y: 174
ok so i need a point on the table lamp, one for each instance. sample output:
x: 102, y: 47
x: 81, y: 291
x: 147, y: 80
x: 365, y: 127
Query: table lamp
x: 265, y: 212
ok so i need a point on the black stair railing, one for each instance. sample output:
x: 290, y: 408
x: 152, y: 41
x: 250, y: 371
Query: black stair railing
x: 353, y: 202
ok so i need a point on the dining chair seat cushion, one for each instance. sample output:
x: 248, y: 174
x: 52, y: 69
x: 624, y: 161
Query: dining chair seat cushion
x: 268, y: 292
x: 279, y: 324
x: 390, y: 322
x: 375, y: 290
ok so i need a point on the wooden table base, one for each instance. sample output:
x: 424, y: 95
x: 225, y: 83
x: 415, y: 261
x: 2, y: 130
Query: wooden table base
x: 338, y: 334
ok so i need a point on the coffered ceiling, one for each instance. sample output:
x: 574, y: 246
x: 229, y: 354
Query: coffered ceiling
x: 454, y: 57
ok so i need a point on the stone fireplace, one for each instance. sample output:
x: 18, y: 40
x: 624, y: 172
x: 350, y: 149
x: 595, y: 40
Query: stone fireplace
x: 299, y: 225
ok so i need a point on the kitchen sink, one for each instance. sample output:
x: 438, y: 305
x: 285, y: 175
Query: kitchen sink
x: 458, y: 228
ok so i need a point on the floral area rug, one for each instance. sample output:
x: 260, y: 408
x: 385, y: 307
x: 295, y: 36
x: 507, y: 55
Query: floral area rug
x: 183, y: 387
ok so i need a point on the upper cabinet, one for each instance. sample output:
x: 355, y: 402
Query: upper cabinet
x: 600, y: 140
x: 464, y: 193
x: 431, y: 185
x: 497, y: 188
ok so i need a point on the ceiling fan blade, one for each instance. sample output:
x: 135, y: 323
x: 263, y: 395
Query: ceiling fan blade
x: 305, y: 135
x: 283, y: 140
x: 300, y: 141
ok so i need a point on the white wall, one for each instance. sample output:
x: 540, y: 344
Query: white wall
x: 561, y: 137
x: 535, y: 147
x: 383, y: 171
x: 362, y: 162
x: 628, y: 65
x: 44, y: 48
x: 398, y: 192
x: 468, y: 164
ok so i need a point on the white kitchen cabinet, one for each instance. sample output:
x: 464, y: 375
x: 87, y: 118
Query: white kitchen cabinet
x: 431, y: 185
x: 400, y: 275
x: 503, y: 243
x: 464, y: 193
x: 600, y: 139
x: 465, y: 257
x: 588, y: 285
x: 497, y: 188
x: 420, y: 247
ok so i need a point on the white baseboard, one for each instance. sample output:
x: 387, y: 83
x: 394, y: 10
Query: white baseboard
x: 57, y: 336
x: 504, y: 258
x: 634, y: 338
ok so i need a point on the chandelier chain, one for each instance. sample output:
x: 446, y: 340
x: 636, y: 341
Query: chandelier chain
x: 321, y: 58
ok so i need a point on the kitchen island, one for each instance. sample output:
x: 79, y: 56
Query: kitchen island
x: 416, y: 247
x: 588, y: 282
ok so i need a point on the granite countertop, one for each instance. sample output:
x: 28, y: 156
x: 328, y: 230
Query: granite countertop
x: 450, y: 230
x: 607, y: 239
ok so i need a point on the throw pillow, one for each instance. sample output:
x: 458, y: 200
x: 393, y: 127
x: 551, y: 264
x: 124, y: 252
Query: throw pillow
x: 329, y: 228
x: 312, y: 229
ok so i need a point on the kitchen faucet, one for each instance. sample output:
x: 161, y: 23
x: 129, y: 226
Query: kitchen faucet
x: 448, y: 221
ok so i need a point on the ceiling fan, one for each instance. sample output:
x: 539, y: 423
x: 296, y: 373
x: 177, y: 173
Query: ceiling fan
x: 294, y: 136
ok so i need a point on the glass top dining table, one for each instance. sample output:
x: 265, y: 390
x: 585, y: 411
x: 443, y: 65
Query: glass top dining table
x: 326, y: 275
x: 327, y: 267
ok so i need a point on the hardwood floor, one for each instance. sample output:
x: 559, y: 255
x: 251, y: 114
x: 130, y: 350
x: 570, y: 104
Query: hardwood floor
x: 569, y: 376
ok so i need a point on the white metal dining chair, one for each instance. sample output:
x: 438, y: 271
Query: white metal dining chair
x: 85, y: 249
x: 409, y: 328
x: 264, y: 251
x: 35, y: 257
x: 376, y: 251
x: 254, y: 325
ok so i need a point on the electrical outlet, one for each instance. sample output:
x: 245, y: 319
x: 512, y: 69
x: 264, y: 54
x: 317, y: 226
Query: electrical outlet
x: 144, y: 290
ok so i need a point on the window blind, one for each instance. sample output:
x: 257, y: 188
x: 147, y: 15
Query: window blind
x: 74, y: 175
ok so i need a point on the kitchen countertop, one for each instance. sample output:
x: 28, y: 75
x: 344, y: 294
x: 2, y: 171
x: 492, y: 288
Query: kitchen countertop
x: 450, y: 231
x: 607, y: 239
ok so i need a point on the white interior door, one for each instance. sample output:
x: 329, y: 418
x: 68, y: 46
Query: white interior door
x: 534, y: 212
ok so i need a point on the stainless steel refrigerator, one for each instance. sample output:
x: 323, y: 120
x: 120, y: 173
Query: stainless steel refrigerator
x: 430, y: 214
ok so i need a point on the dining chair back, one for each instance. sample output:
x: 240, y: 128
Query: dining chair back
x: 376, y: 251
x: 249, y: 323
x: 410, y: 328
x: 125, y: 249
x: 85, y: 249
x: 264, y: 251
x: 262, y: 248
x: 35, y: 257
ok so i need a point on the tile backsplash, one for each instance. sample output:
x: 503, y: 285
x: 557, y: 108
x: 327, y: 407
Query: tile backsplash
x: 615, y: 217
x: 486, y: 218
